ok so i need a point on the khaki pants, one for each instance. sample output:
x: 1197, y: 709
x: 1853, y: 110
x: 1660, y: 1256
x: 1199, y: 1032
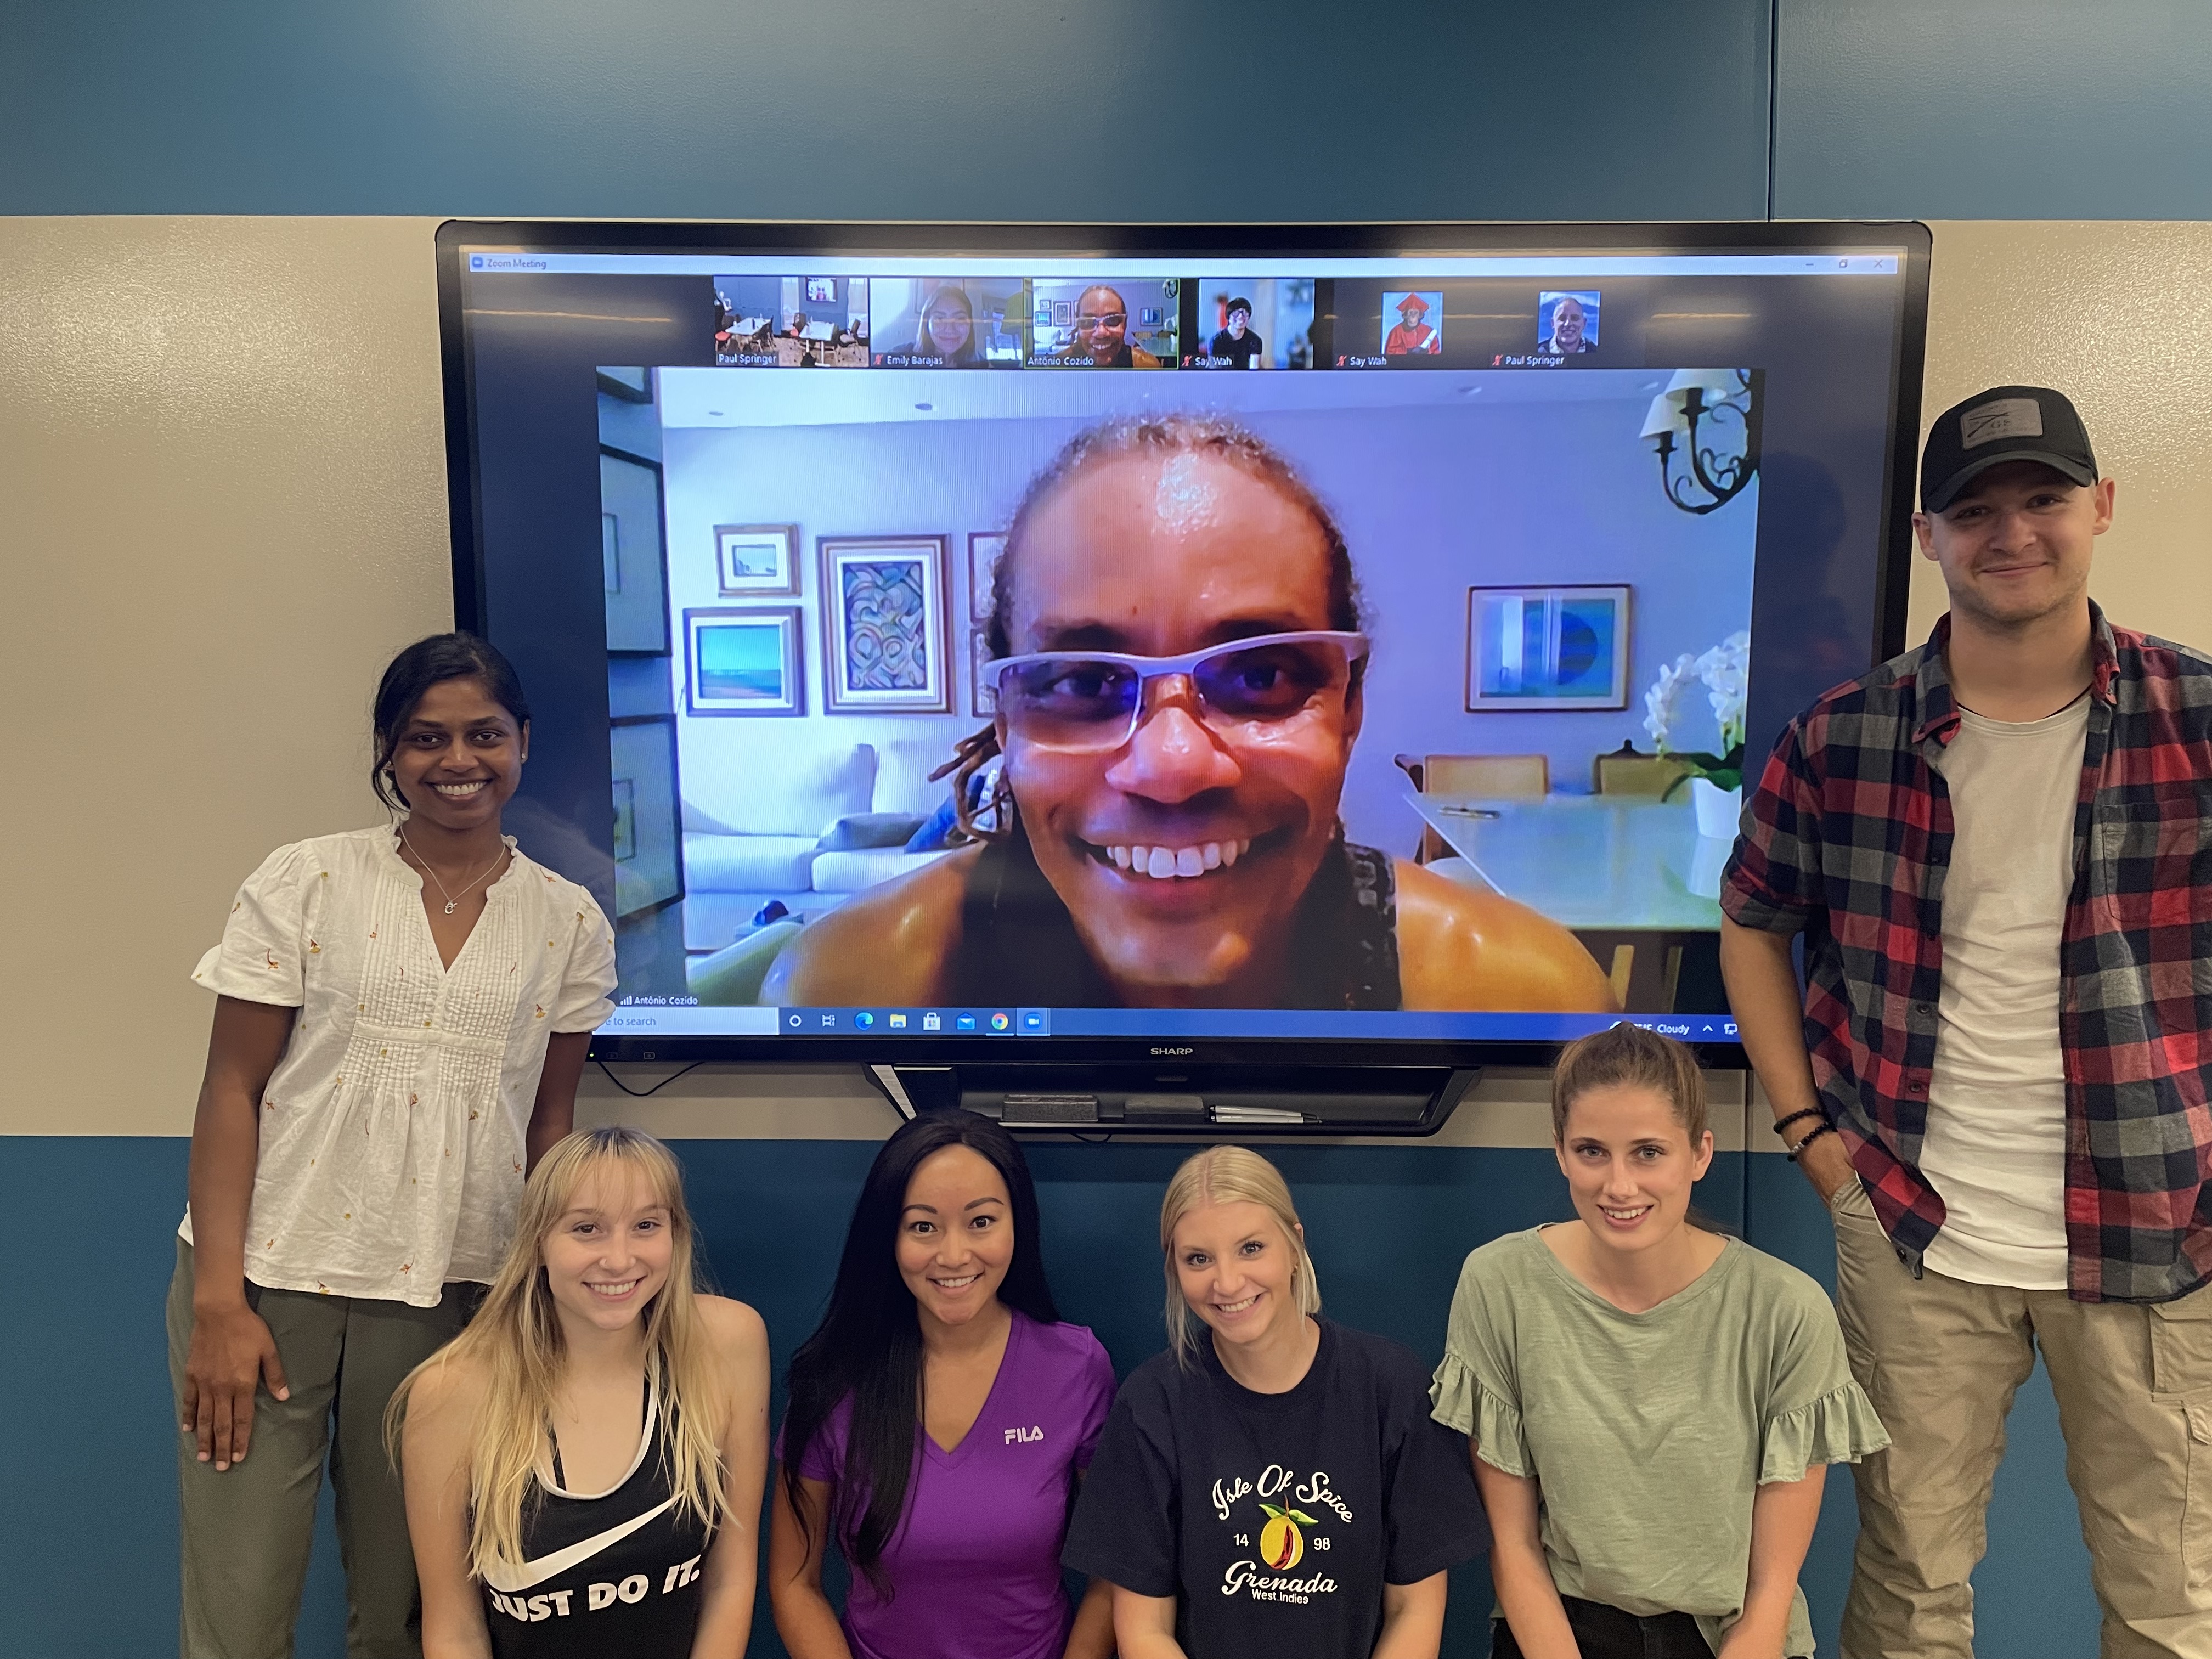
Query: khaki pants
x: 1941, y: 1359
x: 246, y: 1531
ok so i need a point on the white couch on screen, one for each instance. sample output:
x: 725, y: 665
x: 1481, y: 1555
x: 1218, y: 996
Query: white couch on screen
x: 752, y: 837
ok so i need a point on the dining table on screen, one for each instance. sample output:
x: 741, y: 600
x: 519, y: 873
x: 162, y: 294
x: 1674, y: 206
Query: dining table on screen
x: 1616, y: 863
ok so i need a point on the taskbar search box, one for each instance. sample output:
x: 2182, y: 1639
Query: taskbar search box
x: 646, y: 1017
x: 642, y: 1016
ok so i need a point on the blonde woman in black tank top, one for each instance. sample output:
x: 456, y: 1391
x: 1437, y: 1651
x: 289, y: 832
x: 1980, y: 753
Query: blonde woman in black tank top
x: 584, y: 1464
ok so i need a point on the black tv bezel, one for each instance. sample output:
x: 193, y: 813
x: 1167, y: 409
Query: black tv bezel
x: 889, y: 239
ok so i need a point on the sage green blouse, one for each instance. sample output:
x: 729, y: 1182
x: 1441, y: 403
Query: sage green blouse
x: 1649, y: 1433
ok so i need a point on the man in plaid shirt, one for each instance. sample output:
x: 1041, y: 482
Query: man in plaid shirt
x: 1999, y: 852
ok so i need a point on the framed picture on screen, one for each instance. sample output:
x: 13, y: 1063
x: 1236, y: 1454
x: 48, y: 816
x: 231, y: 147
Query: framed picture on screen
x: 648, y: 865
x: 983, y: 700
x: 884, y: 625
x: 1546, y: 647
x: 632, y: 554
x: 743, y: 662
x: 985, y: 548
x: 756, y: 559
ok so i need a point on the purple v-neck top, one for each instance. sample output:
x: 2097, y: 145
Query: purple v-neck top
x: 974, y: 1569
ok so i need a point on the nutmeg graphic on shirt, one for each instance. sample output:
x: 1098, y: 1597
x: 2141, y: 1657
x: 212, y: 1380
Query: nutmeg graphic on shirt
x: 1288, y: 1529
x: 1281, y: 1543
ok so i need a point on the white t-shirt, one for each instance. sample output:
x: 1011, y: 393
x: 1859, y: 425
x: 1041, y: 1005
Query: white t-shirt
x: 1995, y: 1146
x: 392, y: 1130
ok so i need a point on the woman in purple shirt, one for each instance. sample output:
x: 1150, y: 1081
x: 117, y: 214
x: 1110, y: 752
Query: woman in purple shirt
x: 939, y: 1419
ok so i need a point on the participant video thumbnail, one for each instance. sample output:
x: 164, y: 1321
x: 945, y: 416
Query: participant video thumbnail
x: 1566, y: 322
x: 950, y: 322
x: 1413, y: 323
x: 791, y: 322
x: 1124, y: 322
x: 1253, y: 322
x: 1302, y: 691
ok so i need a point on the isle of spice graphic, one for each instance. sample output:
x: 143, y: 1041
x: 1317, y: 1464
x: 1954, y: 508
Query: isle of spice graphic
x: 1281, y: 1543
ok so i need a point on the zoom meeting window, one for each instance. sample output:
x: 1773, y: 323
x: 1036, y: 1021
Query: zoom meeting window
x: 1367, y: 649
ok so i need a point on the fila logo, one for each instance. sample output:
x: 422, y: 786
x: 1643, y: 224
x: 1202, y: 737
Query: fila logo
x: 1021, y: 1436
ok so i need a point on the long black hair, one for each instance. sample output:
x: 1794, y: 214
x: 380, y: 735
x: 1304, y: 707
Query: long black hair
x: 422, y: 664
x: 868, y: 1346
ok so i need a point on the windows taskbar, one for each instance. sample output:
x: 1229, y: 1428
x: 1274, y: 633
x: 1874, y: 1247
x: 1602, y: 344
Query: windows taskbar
x: 640, y: 1018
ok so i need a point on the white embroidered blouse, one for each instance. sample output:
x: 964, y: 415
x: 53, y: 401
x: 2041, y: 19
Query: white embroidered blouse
x: 392, y: 1130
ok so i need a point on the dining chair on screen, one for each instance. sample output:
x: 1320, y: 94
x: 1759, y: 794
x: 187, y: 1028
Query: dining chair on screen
x: 1478, y: 777
x: 1624, y: 772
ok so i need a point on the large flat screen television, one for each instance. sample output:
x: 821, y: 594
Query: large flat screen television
x: 1098, y: 668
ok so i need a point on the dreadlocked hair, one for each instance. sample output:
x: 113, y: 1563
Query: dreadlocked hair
x: 1211, y: 435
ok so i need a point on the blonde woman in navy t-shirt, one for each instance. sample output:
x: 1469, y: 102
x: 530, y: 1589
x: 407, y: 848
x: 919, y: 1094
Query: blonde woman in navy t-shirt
x: 1272, y: 1487
x: 939, y: 1419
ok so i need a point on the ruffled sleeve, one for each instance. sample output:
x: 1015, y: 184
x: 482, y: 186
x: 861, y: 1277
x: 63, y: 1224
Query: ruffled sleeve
x: 1839, y: 1427
x: 265, y: 948
x: 1459, y: 1399
x: 587, y: 987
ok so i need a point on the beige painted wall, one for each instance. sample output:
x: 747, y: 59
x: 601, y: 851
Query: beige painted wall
x: 222, y: 507
x: 2117, y: 316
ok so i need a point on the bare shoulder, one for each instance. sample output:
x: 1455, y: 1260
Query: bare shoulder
x: 445, y: 1394
x: 1461, y: 946
x: 735, y: 1328
x: 738, y: 1338
x: 890, y: 944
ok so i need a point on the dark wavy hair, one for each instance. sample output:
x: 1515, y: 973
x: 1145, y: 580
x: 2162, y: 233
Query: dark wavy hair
x: 422, y: 664
x: 868, y: 1346
x: 1216, y: 435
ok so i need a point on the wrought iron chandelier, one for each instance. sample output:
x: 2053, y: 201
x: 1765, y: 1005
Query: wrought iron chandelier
x: 1711, y: 416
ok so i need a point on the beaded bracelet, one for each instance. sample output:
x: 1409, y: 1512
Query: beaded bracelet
x: 1824, y: 1129
x: 1782, y: 1123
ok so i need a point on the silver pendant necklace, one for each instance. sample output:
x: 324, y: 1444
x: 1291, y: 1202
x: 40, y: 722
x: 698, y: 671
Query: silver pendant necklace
x: 453, y: 900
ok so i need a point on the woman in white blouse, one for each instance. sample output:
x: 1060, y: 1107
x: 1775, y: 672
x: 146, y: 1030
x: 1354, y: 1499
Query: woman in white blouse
x: 402, y: 1016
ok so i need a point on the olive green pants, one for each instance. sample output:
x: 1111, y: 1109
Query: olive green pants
x: 247, y: 1530
x: 1942, y: 1359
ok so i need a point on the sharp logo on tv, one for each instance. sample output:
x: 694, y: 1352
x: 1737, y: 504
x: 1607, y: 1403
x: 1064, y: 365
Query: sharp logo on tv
x: 1171, y: 1054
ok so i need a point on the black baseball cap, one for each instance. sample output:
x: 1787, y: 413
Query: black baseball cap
x: 2005, y: 423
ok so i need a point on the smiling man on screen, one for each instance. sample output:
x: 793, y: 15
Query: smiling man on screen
x: 1996, y: 847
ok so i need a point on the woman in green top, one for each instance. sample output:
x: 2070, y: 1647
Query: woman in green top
x: 1650, y: 1404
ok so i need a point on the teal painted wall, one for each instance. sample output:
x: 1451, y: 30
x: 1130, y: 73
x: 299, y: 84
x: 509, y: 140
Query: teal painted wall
x: 994, y: 109
x: 1111, y: 109
x: 1992, y: 109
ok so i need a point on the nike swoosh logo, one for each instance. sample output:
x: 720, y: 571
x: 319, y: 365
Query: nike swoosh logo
x: 510, y: 1579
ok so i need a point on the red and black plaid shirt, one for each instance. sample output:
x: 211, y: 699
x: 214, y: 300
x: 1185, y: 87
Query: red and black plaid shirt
x: 1850, y: 839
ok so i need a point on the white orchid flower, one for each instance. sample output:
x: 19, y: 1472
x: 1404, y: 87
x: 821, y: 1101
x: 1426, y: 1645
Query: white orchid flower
x: 1726, y: 670
x: 1662, y: 703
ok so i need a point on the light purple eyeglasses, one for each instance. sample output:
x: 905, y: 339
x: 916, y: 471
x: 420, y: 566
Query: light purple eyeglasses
x: 1094, y: 699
